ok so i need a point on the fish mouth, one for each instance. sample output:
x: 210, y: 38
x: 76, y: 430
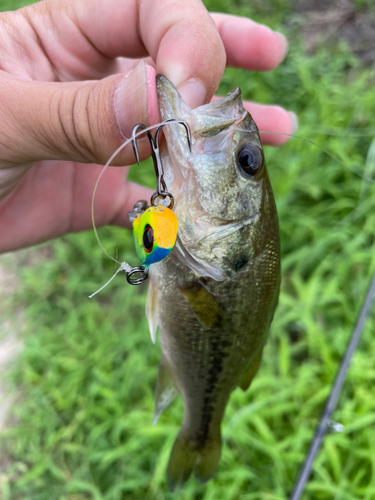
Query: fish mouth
x: 206, y: 120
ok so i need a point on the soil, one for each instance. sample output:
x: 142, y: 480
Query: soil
x: 322, y: 21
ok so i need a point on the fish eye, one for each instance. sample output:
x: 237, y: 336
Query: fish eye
x: 250, y: 158
x: 148, y: 238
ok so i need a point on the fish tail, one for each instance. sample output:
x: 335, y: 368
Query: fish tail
x: 181, y: 463
x: 187, y: 457
x: 208, y: 458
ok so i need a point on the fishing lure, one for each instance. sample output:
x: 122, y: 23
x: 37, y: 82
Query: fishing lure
x: 154, y: 226
x: 155, y: 233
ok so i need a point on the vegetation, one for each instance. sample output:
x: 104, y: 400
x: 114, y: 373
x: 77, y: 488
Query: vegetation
x: 84, y: 420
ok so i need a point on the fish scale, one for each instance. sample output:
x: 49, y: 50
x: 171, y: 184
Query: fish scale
x: 214, y: 296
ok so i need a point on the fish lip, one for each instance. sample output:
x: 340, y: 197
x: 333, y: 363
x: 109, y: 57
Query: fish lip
x: 171, y: 105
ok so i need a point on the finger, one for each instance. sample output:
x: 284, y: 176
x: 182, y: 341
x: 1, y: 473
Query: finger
x: 126, y: 65
x: 63, y: 193
x: 181, y: 38
x: 275, y: 123
x: 186, y: 46
x: 84, y: 121
x: 74, y: 40
x: 250, y: 45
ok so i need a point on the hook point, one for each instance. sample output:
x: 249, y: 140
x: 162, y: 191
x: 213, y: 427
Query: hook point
x: 134, y: 142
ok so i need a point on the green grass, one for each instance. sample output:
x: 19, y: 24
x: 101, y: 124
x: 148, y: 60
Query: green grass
x: 88, y: 369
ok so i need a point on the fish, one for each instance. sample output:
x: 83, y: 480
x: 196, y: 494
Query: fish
x: 212, y: 299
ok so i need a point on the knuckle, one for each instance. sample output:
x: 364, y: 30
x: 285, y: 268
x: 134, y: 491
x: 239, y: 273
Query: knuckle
x: 81, y: 119
x: 74, y: 122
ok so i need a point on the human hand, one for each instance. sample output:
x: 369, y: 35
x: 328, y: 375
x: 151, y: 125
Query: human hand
x: 76, y: 76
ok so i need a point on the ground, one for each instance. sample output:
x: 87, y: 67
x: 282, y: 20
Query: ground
x: 323, y: 20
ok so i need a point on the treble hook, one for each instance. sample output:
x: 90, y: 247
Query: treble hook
x: 161, y: 188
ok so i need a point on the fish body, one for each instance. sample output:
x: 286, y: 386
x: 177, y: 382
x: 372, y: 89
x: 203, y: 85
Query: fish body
x: 213, y: 298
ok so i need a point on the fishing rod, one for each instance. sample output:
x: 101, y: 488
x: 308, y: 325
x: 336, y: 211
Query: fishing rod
x: 325, y: 419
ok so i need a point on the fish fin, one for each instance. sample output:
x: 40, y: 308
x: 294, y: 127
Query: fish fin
x: 186, y: 457
x: 165, y: 390
x: 250, y: 373
x: 181, y: 463
x: 208, y: 459
x: 152, y: 309
x: 205, y: 307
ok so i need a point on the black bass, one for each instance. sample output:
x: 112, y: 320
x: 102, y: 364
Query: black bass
x: 213, y: 298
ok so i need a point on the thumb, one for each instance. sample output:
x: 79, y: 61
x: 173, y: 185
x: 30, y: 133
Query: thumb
x: 77, y: 121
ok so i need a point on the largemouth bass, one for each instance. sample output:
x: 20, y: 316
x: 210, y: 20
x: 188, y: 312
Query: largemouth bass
x: 213, y: 298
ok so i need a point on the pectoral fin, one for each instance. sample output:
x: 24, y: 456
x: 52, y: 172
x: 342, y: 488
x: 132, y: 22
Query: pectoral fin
x: 248, y: 376
x: 205, y: 307
x: 165, y: 390
x: 152, y: 309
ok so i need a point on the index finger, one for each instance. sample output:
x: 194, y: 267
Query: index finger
x: 82, y: 40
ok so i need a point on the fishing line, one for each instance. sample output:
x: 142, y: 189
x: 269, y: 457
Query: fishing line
x: 331, y: 403
x: 118, y: 150
x: 365, y: 132
x: 124, y: 266
x: 356, y: 212
x: 309, y: 141
x: 128, y: 141
x: 349, y: 134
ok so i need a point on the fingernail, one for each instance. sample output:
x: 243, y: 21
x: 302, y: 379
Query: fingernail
x: 193, y: 92
x: 294, y: 121
x: 152, y: 101
x: 284, y: 42
x: 131, y: 100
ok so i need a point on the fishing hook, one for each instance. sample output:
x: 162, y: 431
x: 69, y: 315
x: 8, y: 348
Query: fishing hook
x: 161, y: 188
